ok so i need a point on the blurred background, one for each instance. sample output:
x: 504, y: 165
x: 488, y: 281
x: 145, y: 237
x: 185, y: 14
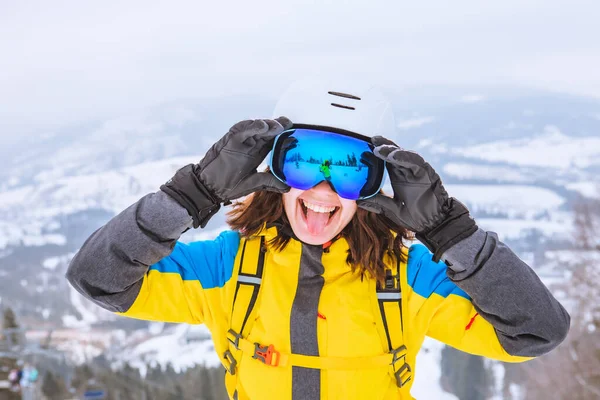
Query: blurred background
x: 101, y: 102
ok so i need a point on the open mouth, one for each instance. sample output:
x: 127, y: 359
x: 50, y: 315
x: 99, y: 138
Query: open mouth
x: 305, y: 206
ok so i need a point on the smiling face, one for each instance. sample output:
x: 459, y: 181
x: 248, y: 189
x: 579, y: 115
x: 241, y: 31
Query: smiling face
x: 317, y: 215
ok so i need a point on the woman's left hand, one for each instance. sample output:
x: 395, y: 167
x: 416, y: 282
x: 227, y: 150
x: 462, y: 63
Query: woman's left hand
x: 420, y: 203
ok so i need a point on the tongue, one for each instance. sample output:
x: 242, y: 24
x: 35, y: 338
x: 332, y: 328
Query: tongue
x: 316, y: 221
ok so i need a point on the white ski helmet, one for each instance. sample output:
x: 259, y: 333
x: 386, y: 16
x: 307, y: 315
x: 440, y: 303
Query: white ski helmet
x: 351, y: 105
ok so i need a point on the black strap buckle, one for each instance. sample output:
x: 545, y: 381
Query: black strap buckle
x: 237, y: 337
x: 232, y: 363
x: 404, y: 370
x: 403, y: 374
x: 397, y: 351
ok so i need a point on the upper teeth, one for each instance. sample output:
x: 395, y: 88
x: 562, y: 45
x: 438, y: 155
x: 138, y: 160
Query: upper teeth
x: 317, y: 208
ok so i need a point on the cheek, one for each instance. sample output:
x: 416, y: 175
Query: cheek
x: 289, y: 201
x: 349, y: 208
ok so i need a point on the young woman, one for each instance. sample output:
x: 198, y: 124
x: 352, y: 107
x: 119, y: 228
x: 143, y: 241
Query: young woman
x: 313, y: 294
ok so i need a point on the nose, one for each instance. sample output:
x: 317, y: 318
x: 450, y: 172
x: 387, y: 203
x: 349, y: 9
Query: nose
x: 324, y: 188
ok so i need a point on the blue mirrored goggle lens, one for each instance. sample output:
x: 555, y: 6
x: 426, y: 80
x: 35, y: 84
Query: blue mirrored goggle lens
x: 303, y: 158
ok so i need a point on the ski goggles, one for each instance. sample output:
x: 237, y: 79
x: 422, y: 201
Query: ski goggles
x: 303, y: 157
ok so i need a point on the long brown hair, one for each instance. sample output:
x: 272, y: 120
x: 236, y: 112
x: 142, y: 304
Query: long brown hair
x: 370, y: 236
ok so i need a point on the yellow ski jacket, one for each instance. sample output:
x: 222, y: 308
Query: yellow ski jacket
x: 304, y: 326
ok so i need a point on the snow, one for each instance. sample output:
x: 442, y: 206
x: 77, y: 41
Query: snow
x: 88, y: 317
x: 411, y: 123
x: 202, y: 234
x: 566, y: 259
x: 516, y: 392
x: 28, y: 214
x: 156, y: 328
x: 519, y: 228
x: 498, y: 376
x: 172, y: 347
x: 515, y: 201
x: 26, y: 233
x: 81, y: 352
x: 486, y: 172
x: 586, y: 189
x: 427, y: 377
x: 79, y: 345
x: 146, y: 135
x: 552, y: 149
x: 90, y: 313
x: 70, y: 321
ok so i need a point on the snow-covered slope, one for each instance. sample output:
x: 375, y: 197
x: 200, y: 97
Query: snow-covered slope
x: 29, y: 214
x: 512, y: 201
x: 552, y: 149
x: 514, y: 211
x: 474, y: 171
x: 182, y: 346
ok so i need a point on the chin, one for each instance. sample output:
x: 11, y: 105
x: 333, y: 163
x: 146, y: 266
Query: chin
x: 310, y: 239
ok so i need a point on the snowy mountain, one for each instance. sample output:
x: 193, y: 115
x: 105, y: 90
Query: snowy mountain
x: 518, y: 160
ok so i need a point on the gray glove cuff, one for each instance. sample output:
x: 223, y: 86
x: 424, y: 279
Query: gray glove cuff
x: 456, y: 226
x: 186, y: 189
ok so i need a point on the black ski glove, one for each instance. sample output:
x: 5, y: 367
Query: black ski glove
x: 228, y: 170
x: 420, y: 202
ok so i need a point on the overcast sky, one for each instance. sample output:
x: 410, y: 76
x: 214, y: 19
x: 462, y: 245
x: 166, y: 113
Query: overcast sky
x: 63, y: 62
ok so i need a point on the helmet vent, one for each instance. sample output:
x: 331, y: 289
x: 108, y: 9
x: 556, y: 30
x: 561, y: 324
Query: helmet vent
x: 346, y: 95
x: 343, y: 106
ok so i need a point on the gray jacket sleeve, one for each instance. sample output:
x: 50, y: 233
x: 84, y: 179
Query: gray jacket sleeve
x: 505, y: 291
x: 109, y: 267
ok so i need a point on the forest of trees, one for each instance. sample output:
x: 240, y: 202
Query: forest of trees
x: 351, y: 160
x: 573, y: 370
x: 464, y: 375
x: 157, y: 384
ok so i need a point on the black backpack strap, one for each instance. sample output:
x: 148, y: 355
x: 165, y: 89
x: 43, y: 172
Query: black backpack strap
x: 389, y: 297
x: 249, y: 280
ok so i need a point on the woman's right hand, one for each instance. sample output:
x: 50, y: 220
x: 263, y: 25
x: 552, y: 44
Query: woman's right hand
x: 228, y: 170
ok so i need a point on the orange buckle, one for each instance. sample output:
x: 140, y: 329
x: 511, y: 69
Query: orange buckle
x: 266, y: 354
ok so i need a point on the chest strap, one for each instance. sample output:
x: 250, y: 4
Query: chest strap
x: 270, y: 356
